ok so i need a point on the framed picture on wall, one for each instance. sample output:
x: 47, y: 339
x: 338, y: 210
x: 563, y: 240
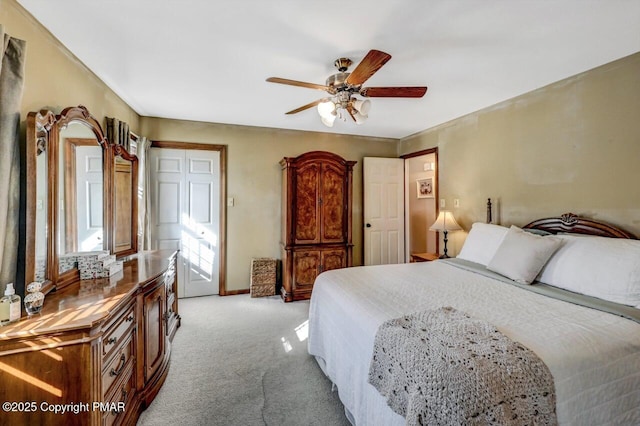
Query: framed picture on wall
x: 426, y: 188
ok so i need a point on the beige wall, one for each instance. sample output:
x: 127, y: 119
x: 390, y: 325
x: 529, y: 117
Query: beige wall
x: 56, y: 79
x: 254, y: 180
x: 572, y: 146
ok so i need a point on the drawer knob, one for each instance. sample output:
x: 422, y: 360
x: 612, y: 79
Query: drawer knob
x: 129, y: 318
x: 111, y: 340
x: 115, y: 371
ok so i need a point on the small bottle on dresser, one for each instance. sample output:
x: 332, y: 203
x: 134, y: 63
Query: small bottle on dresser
x: 10, y: 306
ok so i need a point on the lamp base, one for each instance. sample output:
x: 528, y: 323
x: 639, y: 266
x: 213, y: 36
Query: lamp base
x: 444, y: 256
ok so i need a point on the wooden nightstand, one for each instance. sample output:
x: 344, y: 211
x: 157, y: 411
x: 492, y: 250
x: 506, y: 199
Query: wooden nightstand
x: 423, y: 257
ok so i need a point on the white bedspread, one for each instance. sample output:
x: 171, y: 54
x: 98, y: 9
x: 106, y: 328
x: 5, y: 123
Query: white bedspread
x: 594, y: 356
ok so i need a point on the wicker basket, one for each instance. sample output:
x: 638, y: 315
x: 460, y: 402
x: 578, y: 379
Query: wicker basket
x: 263, y: 277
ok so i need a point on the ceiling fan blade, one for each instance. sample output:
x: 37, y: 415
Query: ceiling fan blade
x: 351, y: 112
x: 307, y: 106
x: 371, y: 63
x: 393, y: 92
x: 298, y: 83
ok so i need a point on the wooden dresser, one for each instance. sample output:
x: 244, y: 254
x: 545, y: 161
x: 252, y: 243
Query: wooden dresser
x: 100, y: 348
x: 316, y: 219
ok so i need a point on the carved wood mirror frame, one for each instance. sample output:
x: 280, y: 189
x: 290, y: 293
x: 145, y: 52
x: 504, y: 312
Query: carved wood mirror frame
x: 43, y: 136
x: 124, y: 180
x: 38, y: 260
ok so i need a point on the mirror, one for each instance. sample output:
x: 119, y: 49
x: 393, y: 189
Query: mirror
x: 79, y: 163
x: 67, y: 212
x: 125, y: 206
x: 85, y: 196
x: 80, y: 194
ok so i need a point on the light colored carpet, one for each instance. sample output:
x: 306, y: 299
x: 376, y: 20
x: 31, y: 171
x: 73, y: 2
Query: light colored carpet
x: 238, y: 360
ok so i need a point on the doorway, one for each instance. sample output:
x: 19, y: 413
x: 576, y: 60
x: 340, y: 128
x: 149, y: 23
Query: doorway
x: 421, y: 201
x: 400, y: 204
x: 187, y: 193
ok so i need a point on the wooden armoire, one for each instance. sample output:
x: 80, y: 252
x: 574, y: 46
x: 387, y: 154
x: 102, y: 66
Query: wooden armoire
x: 316, y: 219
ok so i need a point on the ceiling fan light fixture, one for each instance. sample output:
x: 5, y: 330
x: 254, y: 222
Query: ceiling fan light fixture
x: 327, y: 109
x: 328, y: 121
x: 343, y: 85
x: 362, y: 106
x: 360, y: 118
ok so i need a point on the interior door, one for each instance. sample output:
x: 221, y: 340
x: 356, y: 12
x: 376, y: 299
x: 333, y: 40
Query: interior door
x: 185, y: 198
x: 89, y: 197
x: 383, y: 210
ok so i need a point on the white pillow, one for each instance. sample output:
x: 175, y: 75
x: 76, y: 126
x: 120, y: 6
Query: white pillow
x: 522, y: 255
x: 482, y: 242
x: 606, y: 268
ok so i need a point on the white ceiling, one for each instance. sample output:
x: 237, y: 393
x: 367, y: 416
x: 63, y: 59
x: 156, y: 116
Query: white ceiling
x: 207, y: 60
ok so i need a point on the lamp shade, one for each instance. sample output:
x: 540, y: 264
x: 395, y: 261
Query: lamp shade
x: 362, y: 106
x: 328, y: 121
x: 445, y: 222
x: 360, y: 118
x: 326, y: 109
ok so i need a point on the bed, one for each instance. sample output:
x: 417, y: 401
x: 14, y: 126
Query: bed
x: 584, y: 323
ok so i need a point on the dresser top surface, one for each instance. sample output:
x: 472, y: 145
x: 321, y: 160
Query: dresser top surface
x: 88, y: 302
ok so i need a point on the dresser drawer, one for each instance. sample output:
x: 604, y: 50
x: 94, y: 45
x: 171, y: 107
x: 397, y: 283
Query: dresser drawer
x: 120, y: 398
x: 117, y: 332
x: 118, y: 364
x: 169, y: 280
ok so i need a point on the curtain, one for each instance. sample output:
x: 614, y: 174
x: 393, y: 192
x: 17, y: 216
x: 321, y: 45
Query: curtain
x: 12, y: 60
x: 144, y: 201
x: 118, y: 132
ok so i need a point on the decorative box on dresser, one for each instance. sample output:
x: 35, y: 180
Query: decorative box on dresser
x: 316, y: 219
x: 100, y: 348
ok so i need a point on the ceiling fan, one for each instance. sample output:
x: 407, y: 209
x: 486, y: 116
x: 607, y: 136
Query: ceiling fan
x: 343, y: 86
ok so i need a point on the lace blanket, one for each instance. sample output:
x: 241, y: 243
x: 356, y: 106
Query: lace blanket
x: 443, y: 367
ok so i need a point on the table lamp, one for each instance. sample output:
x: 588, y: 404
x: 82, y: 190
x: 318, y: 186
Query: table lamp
x: 445, y: 223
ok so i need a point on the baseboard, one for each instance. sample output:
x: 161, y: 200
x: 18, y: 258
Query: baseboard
x: 234, y: 292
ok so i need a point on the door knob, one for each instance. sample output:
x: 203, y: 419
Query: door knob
x: 368, y: 225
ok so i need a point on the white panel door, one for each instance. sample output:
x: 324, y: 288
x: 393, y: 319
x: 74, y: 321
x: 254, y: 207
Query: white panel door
x: 185, y: 215
x: 383, y: 210
x: 201, y: 222
x: 89, y: 197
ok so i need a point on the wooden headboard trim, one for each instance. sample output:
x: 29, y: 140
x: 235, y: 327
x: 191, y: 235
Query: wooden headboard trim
x: 574, y: 224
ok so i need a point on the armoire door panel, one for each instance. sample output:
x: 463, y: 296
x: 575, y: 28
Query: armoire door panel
x: 333, y: 259
x: 332, y: 195
x: 306, y: 204
x: 306, y: 265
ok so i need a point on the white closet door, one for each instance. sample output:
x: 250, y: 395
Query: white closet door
x: 201, y: 222
x: 185, y: 215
